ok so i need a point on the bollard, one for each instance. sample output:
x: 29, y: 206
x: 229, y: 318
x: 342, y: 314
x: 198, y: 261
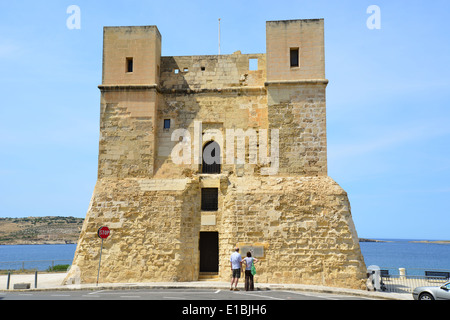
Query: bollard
x: 7, y: 281
x: 35, y: 279
x: 402, y: 273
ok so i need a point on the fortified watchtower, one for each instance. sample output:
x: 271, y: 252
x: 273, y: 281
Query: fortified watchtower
x: 199, y: 154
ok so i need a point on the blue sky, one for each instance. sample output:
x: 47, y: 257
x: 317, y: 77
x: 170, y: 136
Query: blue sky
x: 388, y: 101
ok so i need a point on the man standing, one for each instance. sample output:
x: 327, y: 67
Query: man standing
x: 236, y: 265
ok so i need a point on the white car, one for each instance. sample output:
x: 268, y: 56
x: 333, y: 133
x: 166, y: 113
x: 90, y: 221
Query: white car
x: 432, y: 293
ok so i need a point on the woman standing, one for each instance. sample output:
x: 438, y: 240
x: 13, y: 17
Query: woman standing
x: 249, y: 261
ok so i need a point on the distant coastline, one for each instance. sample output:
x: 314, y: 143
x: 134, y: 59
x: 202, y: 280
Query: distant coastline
x: 40, y: 230
x: 432, y: 241
x: 28, y: 243
x: 371, y: 240
x: 411, y: 241
x: 66, y: 230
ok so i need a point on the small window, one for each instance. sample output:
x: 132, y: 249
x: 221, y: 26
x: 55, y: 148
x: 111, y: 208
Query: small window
x: 176, y: 71
x: 186, y: 70
x: 210, y: 199
x: 202, y: 68
x: 129, y: 65
x: 294, y: 57
x: 166, y: 123
x: 252, y: 64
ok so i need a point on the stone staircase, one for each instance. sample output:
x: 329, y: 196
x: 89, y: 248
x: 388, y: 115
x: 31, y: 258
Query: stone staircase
x: 208, y: 276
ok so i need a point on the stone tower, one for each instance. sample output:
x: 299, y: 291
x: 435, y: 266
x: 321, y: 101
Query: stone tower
x: 174, y: 214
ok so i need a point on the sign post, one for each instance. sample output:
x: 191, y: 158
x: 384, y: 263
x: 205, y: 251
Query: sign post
x: 103, y: 233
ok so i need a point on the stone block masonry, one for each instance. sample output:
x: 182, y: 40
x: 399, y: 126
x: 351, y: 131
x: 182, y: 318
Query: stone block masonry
x: 176, y: 222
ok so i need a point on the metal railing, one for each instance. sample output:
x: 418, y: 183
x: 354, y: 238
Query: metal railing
x: 404, y: 280
x: 34, y: 265
x: 398, y: 280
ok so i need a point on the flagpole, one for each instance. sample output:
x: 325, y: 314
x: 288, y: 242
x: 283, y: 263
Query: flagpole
x: 219, y: 36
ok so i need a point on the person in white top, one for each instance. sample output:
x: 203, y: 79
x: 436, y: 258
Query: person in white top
x: 236, y: 265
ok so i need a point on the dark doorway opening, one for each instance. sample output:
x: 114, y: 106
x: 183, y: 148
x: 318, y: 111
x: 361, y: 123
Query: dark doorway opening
x: 211, y: 158
x: 209, y: 251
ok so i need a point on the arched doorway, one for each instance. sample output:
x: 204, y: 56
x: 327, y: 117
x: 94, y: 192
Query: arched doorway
x: 211, y: 158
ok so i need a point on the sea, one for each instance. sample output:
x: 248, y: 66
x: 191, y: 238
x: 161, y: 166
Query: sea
x: 38, y: 257
x: 391, y: 254
x: 415, y: 257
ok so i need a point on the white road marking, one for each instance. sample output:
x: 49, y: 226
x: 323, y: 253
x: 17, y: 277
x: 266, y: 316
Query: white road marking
x: 259, y: 295
x: 322, y: 295
x: 96, y: 292
x: 310, y: 295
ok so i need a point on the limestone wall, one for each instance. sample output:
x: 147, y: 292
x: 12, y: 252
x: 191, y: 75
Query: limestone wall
x: 152, y: 228
x: 305, y: 35
x: 212, y: 72
x: 304, y: 225
x: 127, y: 134
x: 141, y: 44
x: 299, y: 112
x: 216, y: 111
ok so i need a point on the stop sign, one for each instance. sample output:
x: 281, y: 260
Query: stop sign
x: 103, y: 232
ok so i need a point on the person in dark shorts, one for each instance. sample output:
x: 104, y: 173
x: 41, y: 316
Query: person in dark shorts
x: 236, y: 265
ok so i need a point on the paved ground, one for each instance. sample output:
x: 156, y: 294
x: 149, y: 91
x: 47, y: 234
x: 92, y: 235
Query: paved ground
x: 49, y: 287
x: 173, y: 294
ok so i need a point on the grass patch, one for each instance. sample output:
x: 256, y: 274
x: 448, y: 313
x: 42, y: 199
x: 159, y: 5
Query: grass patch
x: 59, y: 268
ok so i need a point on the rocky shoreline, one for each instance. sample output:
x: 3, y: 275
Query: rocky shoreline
x: 371, y: 240
x: 40, y: 230
x: 432, y: 241
x: 19, y: 243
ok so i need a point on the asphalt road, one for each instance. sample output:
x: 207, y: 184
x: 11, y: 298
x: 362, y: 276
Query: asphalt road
x: 173, y: 294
